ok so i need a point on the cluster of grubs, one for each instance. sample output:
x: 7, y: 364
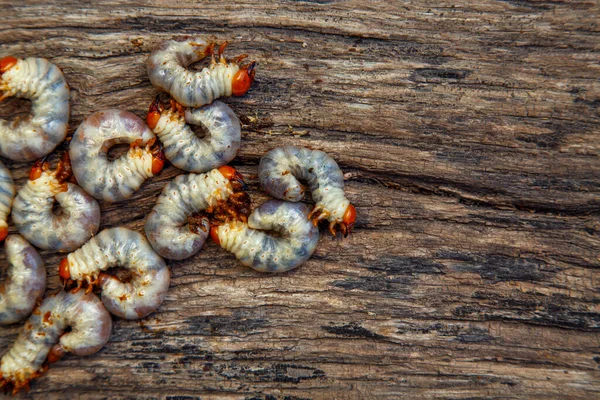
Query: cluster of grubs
x: 211, y: 200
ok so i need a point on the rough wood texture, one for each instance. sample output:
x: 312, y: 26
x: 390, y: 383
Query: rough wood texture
x: 469, y: 133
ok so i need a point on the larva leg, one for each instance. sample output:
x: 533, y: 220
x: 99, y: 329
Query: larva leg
x: 241, y: 57
x: 222, y: 47
x: 210, y: 51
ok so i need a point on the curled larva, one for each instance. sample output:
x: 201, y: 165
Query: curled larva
x: 25, y: 280
x: 33, y: 213
x: 167, y: 70
x: 44, y: 338
x: 295, y: 240
x: 183, y: 147
x: 39, y: 133
x: 7, y: 193
x: 120, y: 247
x: 114, y: 180
x: 173, y: 228
x: 280, y: 169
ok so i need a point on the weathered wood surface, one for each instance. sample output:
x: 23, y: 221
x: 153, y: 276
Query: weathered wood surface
x: 469, y: 132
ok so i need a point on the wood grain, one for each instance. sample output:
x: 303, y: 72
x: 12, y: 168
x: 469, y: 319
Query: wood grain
x: 469, y: 135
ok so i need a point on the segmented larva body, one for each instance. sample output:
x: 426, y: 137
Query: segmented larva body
x: 25, y: 280
x: 295, y: 242
x: 34, y: 217
x: 167, y: 71
x: 7, y: 194
x: 43, y: 337
x: 280, y: 169
x: 184, y: 148
x: 167, y: 226
x: 113, y: 180
x: 39, y: 133
x: 129, y: 250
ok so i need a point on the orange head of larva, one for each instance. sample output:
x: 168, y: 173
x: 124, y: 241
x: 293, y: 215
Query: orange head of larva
x: 158, y: 159
x: 63, y: 269
x: 231, y: 174
x: 214, y: 234
x: 38, y: 167
x: 3, y: 233
x: 154, y: 113
x: 349, y: 216
x: 228, y: 172
x: 152, y: 119
x: 7, y: 63
x: 56, y: 352
x: 243, y: 79
x: 35, y: 173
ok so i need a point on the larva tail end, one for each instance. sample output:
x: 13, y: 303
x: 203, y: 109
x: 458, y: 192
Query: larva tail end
x: 243, y: 79
x: 7, y: 63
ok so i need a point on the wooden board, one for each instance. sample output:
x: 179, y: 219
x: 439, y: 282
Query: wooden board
x: 469, y: 133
